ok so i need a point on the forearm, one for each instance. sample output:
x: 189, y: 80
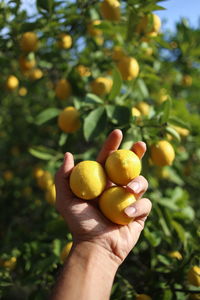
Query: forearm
x: 88, y: 274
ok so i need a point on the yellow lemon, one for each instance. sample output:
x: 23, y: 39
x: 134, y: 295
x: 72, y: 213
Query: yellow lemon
x: 143, y: 297
x: 187, y: 80
x: 175, y: 254
x: 29, y: 42
x: 182, y: 131
x: 8, y: 175
x: 50, y: 194
x: 162, y: 153
x: 194, y: 276
x: 112, y: 203
x: 117, y: 53
x: 128, y: 67
x: 122, y: 166
x: 22, y: 91
x: 9, y: 263
x: 26, y: 64
x: 64, y: 41
x: 69, y: 120
x: 149, y: 24
x: 144, y: 108
x: 65, y: 251
x: 63, y: 89
x: 92, y: 30
x: 135, y: 112
x: 45, y: 180
x: 101, y: 86
x: 110, y: 10
x: 88, y: 180
x: 12, y: 82
x: 38, y: 172
x: 35, y: 74
x: 83, y: 71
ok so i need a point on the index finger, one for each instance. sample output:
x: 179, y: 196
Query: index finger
x: 112, y: 143
x: 139, y: 148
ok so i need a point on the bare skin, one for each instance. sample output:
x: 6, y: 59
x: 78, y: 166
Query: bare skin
x: 99, y: 246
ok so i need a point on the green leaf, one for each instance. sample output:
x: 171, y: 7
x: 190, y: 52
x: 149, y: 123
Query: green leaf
x: 47, y: 115
x: 173, y: 133
x: 45, y: 5
x: 179, y: 230
x: 63, y: 139
x: 178, y: 122
x: 118, y: 114
x: 92, y: 98
x: 117, y: 83
x: 152, y: 237
x: 143, y: 88
x: 42, y: 152
x: 166, y: 106
x: 94, y: 123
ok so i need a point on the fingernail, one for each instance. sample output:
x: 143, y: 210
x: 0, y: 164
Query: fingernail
x: 130, y: 211
x: 134, y: 186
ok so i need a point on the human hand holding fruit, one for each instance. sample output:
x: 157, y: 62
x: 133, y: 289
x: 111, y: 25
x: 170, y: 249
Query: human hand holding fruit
x: 87, y: 223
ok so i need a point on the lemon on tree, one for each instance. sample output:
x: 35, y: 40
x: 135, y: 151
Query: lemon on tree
x: 128, y: 67
x: 26, y: 64
x: 149, y: 24
x: 9, y: 264
x: 45, y: 180
x: 65, y: 251
x: 64, y: 41
x: 135, y: 112
x: 117, y: 53
x: 110, y: 10
x: 83, y: 71
x: 92, y: 30
x: 88, y: 180
x: 12, y: 82
x: 101, y: 86
x: 193, y: 276
x: 29, y: 42
x: 112, y: 203
x: 35, y: 74
x: 63, y: 89
x: 122, y: 166
x: 162, y: 153
x: 50, y: 194
x: 144, y: 108
x: 22, y: 91
x: 175, y: 254
x: 69, y: 119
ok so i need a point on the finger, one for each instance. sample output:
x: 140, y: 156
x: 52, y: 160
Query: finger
x: 139, y: 148
x: 112, y: 143
x: 140, y: 209
x: 137, y: 186
x: 67, y: 165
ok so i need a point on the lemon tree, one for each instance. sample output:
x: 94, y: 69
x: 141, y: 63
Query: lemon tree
x: 71, y: 72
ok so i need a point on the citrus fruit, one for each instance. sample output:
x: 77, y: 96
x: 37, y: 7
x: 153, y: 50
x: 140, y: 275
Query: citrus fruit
x: 182, y: 131
x: 65, y: 251
x: 175, y: 254
x: 35, y: 74
x: 112, y: 203
x: 149, y: 24
x: 122, y: 166
x: 64, y: 41
x: 194, y: 276
x: 117, y: 53
x: 162, y: 153
x: 45, y: 180
x: 29, y: 42
x: 83, y: 71
x: 135, y: 112
x: 22, y: 91
x: 110, y: 10
x: 128, y: 67
x: 63, y: 89
x: 12, y: 82
x: 88, y: 180
x: 101, y: 86
x: 143, y: 297
x: 144, y: 108
x: 9, y: 263
x: 50, y: 194
x: 26, y: 64
x: 92, y: 30
x: 69, y: 120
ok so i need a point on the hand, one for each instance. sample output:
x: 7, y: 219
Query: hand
x: 87, y: 223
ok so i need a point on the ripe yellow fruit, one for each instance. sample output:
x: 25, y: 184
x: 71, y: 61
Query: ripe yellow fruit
x: 26, y: 64
x: 144, y: 108
x: 176, y: 254
x: 38, y: 172
x: 128, y: 67
x: 50, y: 194
x: 63, y: 89
x: 83, y: 71
x: 12, y: 82
x: 92, y: 30
x: 45, y: 180
x: 65, y: 251
x: 110, y: 10
x: 9, y: 263
x: 112, y: 203
x: 8, y: 175
x: 117, y: 53
x: 35, y: 74
x: 22, y: 91
x: 101, y: 86
x: 88, y: 180
x: 182, y: 131
x: 187, y: 80
x: 143, y: 297
x: 122, y: 166
x: 69, y: 119
x: 135, y: 112
x: 162, y: 153
x: 29, y: 42
x: 64, y: 41
x: 194, y: 276
x: 149, y: 24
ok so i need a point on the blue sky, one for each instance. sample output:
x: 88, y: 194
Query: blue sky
x: 175, y: 9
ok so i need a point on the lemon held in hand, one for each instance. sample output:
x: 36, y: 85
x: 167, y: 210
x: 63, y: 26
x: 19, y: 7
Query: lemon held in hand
x: 88, y: 180
x: 113, y: 202
x: 122, y: 166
